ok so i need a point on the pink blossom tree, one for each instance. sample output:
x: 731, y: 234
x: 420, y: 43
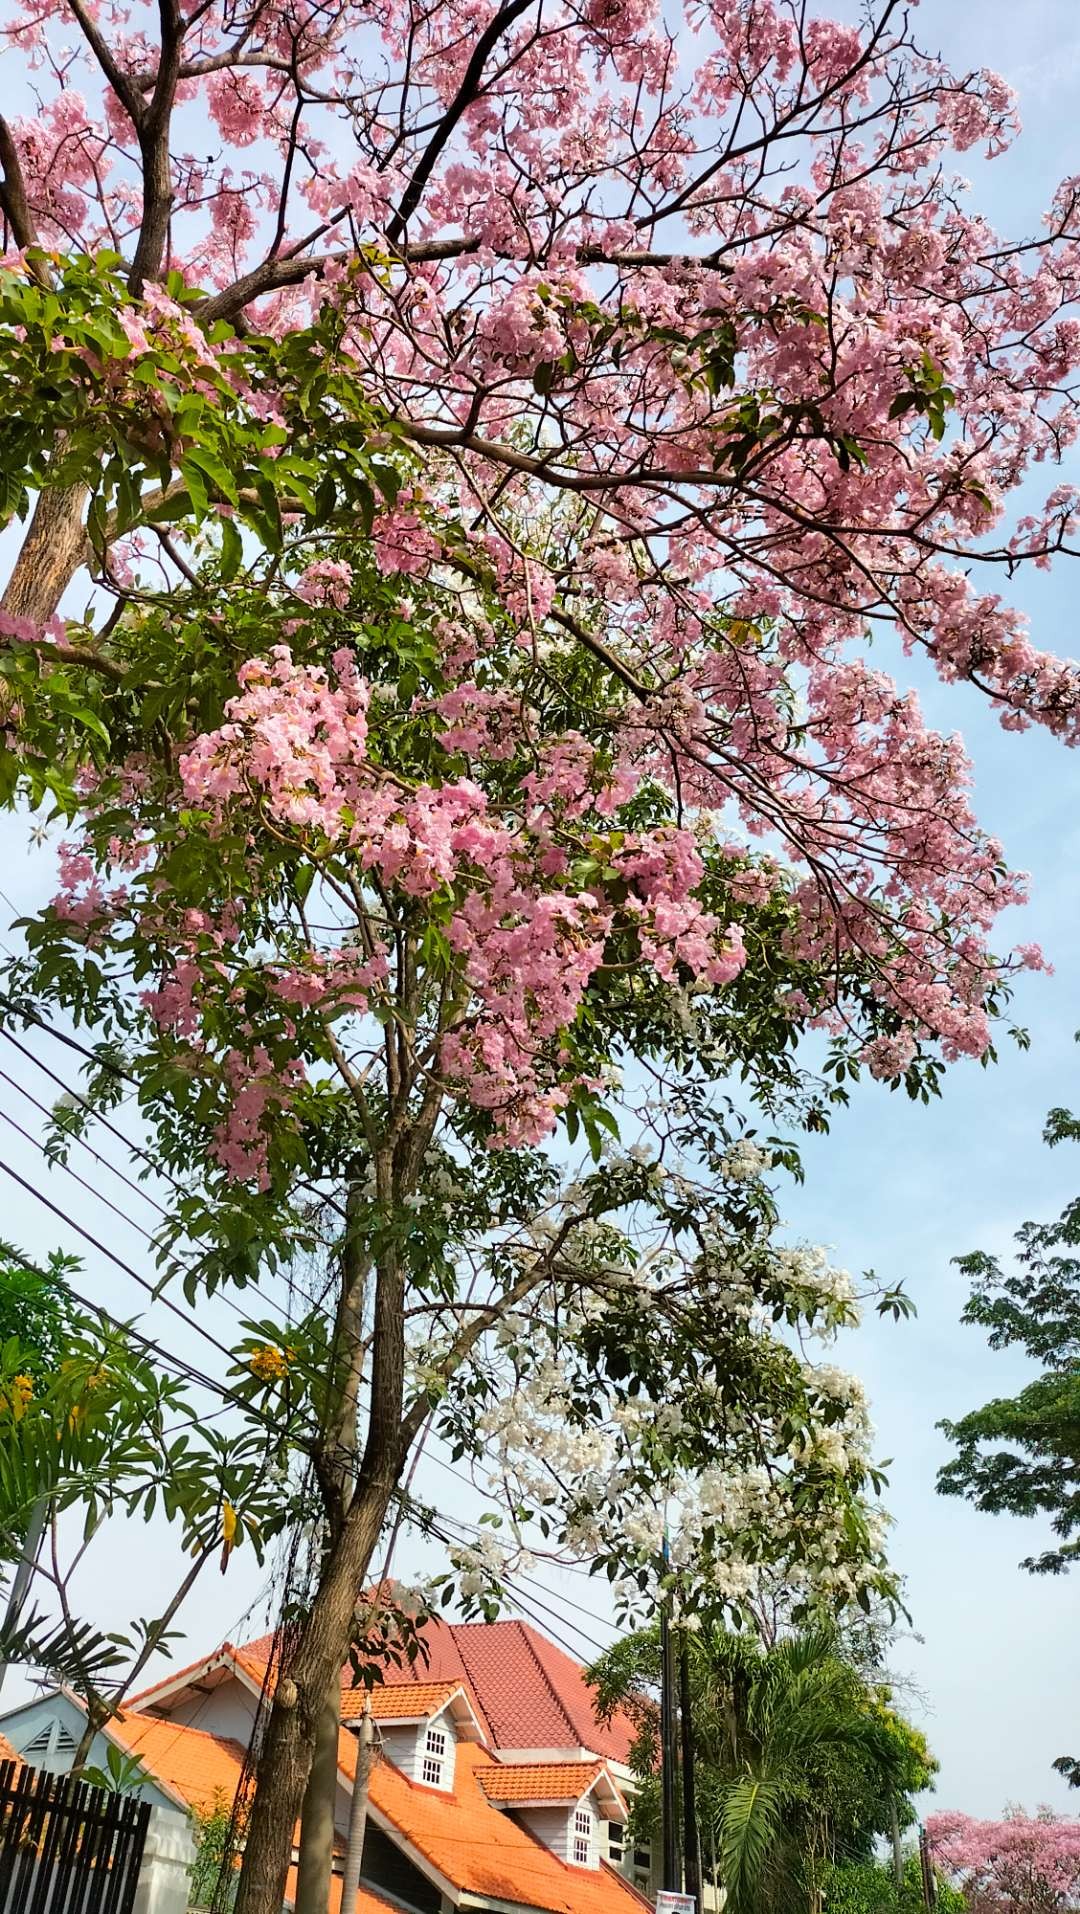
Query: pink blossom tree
x: 1026, y: 1864
x: 493, y: 459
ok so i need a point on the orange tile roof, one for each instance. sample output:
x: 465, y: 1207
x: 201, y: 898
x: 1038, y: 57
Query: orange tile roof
x: 250, y: 1658
x: 472, y: 1844
x: 7, y: 1752
x: 527, y: 1693
x: 367, y: 1902
x: 399, y: 1701
x: 480, y: 1850
x: 200, y: 1767
x: 538, y: 1781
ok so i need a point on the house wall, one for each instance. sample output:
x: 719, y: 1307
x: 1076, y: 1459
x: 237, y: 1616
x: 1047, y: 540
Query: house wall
x: 165, y: 1874
x: 555, y: 1828
x: 406, y: 1748
x: 226, y: 1709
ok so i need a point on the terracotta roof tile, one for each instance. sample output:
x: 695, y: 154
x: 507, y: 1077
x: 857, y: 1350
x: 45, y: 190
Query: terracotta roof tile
x: 526, y: 1692
x: 538, y: 1781
x: 473, y: 1845
x: 397, y: 1701
x: 7, y: 1752
x: 200, y: 1767
x: 366, y: 1902
x: 481, y: 1851
x: 533, y: 1695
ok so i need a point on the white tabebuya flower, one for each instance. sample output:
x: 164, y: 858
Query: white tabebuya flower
x: 664, y: 1390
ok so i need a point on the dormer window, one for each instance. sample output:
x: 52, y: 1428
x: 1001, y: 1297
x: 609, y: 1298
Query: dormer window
x: 583, y: 1830
x: 433, y: 1766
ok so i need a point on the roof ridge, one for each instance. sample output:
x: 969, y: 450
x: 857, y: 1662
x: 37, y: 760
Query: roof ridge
x: 573, y: 1726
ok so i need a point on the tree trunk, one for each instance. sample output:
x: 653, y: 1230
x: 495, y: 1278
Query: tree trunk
x: 316, y: 1861
x: 288, y: 1750
x: 354, y: 1853
x: 52, y: 551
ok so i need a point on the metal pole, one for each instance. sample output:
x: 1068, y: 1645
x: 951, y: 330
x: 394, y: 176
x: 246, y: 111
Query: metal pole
x: 354, y: 1852
x: 21, y: 1582
x: 691, y: 1838
x: 929, y: 1885
x: 671, y: 1872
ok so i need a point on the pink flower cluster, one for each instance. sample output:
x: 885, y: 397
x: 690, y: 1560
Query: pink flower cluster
x: 1025, y: 1864
x: 528, y: 943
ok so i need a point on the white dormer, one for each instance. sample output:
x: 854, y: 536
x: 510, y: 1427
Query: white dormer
x: 561, y: 1803
x: 419, y: 1726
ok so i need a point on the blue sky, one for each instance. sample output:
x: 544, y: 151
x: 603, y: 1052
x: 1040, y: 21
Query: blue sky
x: 897, y: 1187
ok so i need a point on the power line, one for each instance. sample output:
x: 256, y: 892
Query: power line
x: 178, y: 1264
x: 156, y: 1294
x: 99, y: 1063
x: 88, y: 1237
x: 139, y: 1189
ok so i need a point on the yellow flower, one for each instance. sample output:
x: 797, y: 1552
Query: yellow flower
x: 20, y: 1394
x: 270, y: 1365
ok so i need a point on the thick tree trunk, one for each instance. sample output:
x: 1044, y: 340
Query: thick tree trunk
x: 316, y: 1861
x: 52, y: 551
x: 289, y: 1747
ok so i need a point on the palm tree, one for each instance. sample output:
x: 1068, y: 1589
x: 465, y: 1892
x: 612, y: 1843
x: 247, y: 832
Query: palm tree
x: 805, y: 1710
x: 798, y: 1757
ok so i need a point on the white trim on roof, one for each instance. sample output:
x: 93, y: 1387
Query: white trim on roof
x: 457, y: 1705
x: 612, y: 1795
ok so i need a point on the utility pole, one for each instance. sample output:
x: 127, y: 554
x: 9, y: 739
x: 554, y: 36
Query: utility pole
x: 354, y: 1851
x: 929, y: 1884
x: 691, y: 1837
x: 672, y: 1876
x: 897, y: 1851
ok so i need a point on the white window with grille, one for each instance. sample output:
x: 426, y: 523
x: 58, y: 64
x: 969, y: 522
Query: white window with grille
x: 583, y: 1837
x: 433, y: 1765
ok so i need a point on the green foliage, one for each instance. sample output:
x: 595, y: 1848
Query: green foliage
x: 122, y: 1773
x: 101, y: 1431
x: 800, y: 1759
x: 868, y: 1887
x: 35, y: 1308
x: 215, y: 1849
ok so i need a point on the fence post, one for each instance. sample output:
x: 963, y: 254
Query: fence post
x: 165, y: 1875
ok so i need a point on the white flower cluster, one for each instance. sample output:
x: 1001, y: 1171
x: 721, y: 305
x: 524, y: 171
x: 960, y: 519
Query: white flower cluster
x: 744, y: 1161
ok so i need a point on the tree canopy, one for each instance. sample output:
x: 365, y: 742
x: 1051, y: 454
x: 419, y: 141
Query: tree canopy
x: 470, y: 738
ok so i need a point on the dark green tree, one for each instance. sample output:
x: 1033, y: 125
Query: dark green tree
x: 1021, y: 1454
x: 35, y: 1306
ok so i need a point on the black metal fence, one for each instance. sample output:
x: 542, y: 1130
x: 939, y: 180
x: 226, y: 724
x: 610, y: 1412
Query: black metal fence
x: 66, y: 1847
